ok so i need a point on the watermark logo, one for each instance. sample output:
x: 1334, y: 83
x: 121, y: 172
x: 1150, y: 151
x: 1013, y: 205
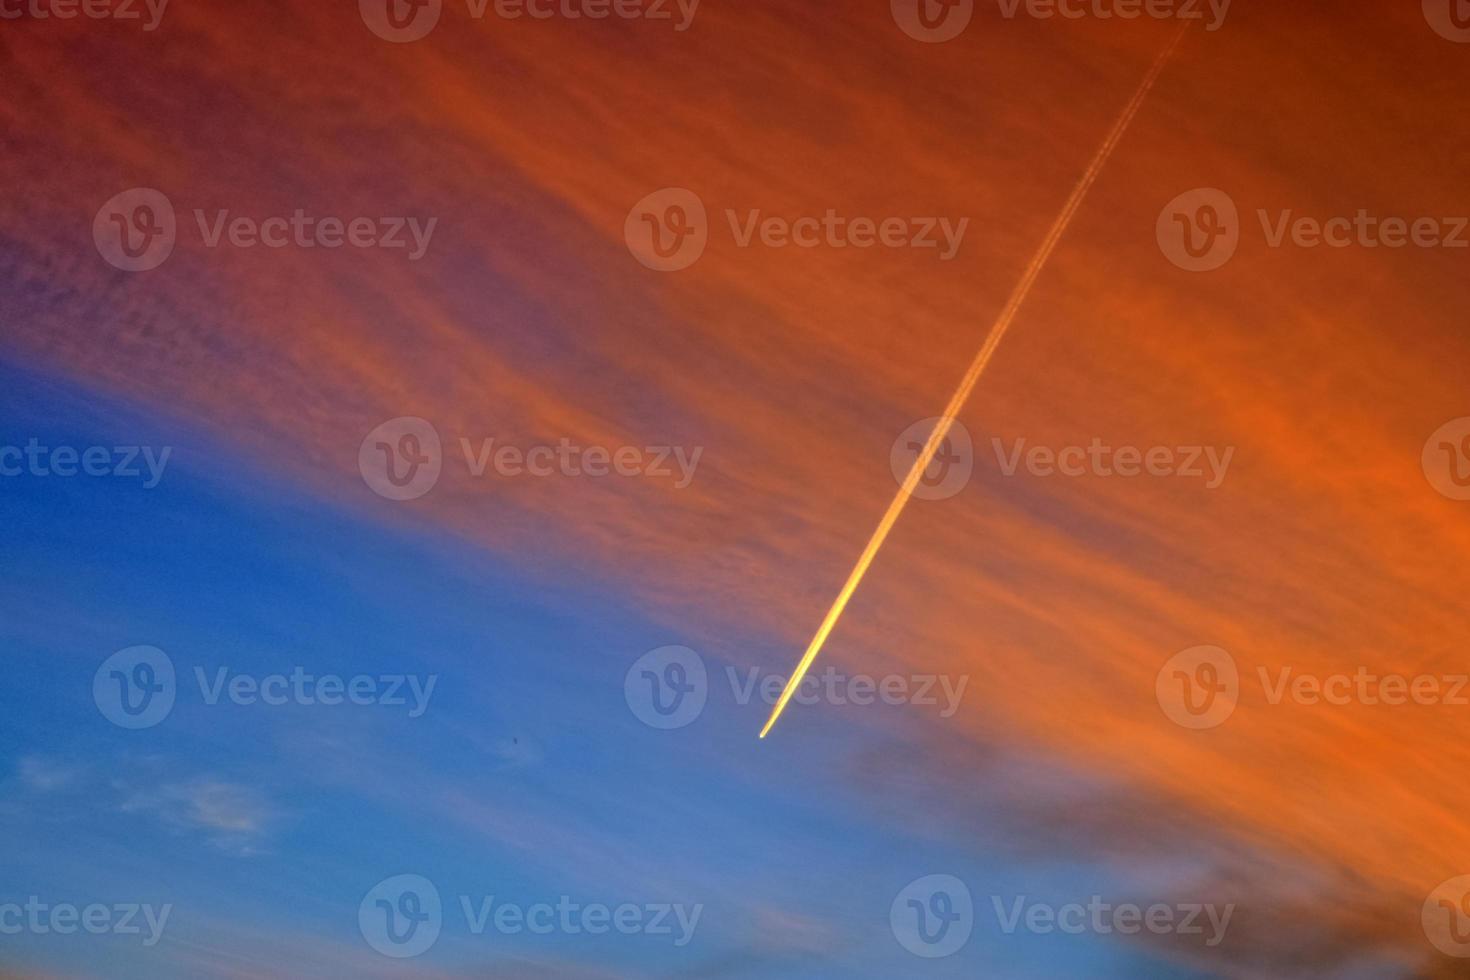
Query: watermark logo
x: 1446, y: 917
x: 668, y: 230
x: 135, y: 688
x: 401, y: 21
x: 1199, y: 688
x: 933, y: 916
x: 667, y: 688
x: 1199, y: 231
x: 135, y: 231
x: 933, y: 21
x: 1449, y: 18
x: 1446, y: 459
x: 401, y: 459
x: 948, y: 472
x: 401, y: 916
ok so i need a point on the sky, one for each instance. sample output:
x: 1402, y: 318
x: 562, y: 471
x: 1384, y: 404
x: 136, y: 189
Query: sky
x: 565, y: 672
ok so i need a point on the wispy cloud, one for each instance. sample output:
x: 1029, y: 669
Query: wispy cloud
x: 230, y: 816
x: 44, y: 775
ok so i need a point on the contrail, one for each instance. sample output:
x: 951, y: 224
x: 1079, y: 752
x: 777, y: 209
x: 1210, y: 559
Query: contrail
x: 972, y: 376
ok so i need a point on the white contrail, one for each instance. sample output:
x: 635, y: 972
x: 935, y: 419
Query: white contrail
x: 972, y: 376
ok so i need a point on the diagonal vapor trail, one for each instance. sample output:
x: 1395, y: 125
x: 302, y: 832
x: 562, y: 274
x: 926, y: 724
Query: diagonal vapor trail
x: 972, y: 376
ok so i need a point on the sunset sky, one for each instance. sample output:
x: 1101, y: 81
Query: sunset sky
x: 1321, y: 387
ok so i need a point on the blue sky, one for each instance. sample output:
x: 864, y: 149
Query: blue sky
x: 527, y: 777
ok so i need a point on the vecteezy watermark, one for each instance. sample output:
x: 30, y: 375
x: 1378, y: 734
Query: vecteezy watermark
x: 1200, y: 230
x: 1097, y: 916
x: 1212, y: 12
x: 674, y: 920
x: 137, y: 687
x: 933, y: 916
x: 932, y: 21
x: 1363, y: 686
x: 669, y: 230
x: 951, y: 467
x: 1446, y: 917
x: 953, y: 462
x: 1099, y: 459
x: 936, y: 21
x: 831, y: 686
x: 1446, y: 459
x: 404, y: 21
x: 126, y: 462
x: 136, y: 231
x: 1200, y: 688
x: 668, y: 688
x: 403, y: 916
x: 149, y: 12
x: 1450, y: 19
x: 403, y: 458
x: 97, y: 918
x: 300, y: 687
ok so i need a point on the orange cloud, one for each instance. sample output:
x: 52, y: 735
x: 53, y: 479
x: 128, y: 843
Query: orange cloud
x: 1326, y: 369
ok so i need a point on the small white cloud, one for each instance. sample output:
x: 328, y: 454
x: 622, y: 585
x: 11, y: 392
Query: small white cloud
x: 234, y: 817
x: 44, y: 775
